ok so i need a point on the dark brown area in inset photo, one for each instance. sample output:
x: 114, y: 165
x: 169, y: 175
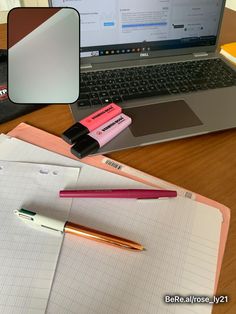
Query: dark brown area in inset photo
x: 22, y: 21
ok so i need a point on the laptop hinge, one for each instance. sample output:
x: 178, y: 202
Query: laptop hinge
x: 200, y: 54
x: 86, y: 66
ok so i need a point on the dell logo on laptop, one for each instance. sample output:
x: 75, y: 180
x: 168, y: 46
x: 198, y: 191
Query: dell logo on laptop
x: 144, y: 54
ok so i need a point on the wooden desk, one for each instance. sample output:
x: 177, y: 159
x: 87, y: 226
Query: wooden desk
x: 204, y: 164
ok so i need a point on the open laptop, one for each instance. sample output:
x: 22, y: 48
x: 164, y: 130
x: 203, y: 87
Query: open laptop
x: 158, y: 60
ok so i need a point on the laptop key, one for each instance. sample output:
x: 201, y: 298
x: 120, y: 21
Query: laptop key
x: 84, y: 103
x: 113, y: 92
x: 106, y: 100
x: 184, y: 89
x: 115, y: 86
x: 123, y: 91
x: 104, y: 87
x: 117, y: 99
x: 133, y: 90
x: 96, y: 102
x: 162, y: 92
x: 96, y: 88
x: 143, y: 83
x: 103, y: 94
x: 174, y: 91
x: 134, y: 84
x: 120, y: 80
x: 151, y: 87
x: 94, y: 95
x: 146, y: 94
x: 143, y: 89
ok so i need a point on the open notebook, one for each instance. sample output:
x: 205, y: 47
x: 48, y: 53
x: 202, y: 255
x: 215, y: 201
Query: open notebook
x: 181, y: 237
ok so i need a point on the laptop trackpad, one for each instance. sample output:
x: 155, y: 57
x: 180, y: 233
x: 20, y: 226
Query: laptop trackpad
x: 161, y: 117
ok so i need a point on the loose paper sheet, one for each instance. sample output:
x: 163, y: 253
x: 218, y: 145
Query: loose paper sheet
x: 28, y: 256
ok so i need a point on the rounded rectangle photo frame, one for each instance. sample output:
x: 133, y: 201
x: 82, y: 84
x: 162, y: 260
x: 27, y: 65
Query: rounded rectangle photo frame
x: 43, y: 55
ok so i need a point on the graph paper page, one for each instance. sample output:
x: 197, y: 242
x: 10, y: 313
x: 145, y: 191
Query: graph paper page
x: 28, y: 256
x: 181, y: 238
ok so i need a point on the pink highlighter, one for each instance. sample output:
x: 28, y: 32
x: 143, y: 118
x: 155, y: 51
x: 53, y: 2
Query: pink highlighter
x: 91, y: 142
x: 91, y: 123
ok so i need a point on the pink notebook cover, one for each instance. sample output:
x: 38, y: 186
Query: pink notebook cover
x: 55, y: 144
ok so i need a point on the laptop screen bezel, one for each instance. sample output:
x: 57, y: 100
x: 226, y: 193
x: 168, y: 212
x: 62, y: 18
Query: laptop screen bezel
x: 157, y: 53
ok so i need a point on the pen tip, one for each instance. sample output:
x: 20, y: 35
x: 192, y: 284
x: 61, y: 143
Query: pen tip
x: 144, y: 249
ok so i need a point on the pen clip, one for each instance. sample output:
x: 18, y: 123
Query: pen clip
x: 155, y: 199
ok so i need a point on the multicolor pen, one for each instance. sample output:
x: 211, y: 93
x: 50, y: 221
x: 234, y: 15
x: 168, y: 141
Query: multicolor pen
x: 70, y: 227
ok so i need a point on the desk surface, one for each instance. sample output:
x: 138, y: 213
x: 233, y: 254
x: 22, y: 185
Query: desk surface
x: 204, y: 164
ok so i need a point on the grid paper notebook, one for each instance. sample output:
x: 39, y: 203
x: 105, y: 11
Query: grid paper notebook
x: 181, y: 237
x: 28, y: 257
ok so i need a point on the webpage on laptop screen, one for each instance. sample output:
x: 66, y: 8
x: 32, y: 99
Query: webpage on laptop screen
x: 119, y: 22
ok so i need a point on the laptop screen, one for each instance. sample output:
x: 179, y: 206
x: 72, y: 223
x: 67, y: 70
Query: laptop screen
x: 112, y: 27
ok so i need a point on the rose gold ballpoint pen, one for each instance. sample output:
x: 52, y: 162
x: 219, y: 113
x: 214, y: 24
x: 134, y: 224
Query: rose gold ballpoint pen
x: 70, y: 227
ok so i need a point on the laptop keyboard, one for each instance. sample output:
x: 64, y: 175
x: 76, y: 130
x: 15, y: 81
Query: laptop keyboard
x: 103, y: 87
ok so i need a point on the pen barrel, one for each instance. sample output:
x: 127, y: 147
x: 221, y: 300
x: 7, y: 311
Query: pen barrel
x: 118, y: 193
x: 100, y: 236
x: 49, y: 223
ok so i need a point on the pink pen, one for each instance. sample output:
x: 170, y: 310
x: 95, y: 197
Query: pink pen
x: 91, y: 142
x: 118, y: 193
x: 91, y: 123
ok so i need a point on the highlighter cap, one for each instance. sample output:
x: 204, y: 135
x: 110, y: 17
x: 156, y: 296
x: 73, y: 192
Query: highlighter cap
x: 72, y: 134
x: 87, y: 145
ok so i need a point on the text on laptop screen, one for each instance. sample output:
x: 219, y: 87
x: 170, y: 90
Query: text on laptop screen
x: 111, y: 27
